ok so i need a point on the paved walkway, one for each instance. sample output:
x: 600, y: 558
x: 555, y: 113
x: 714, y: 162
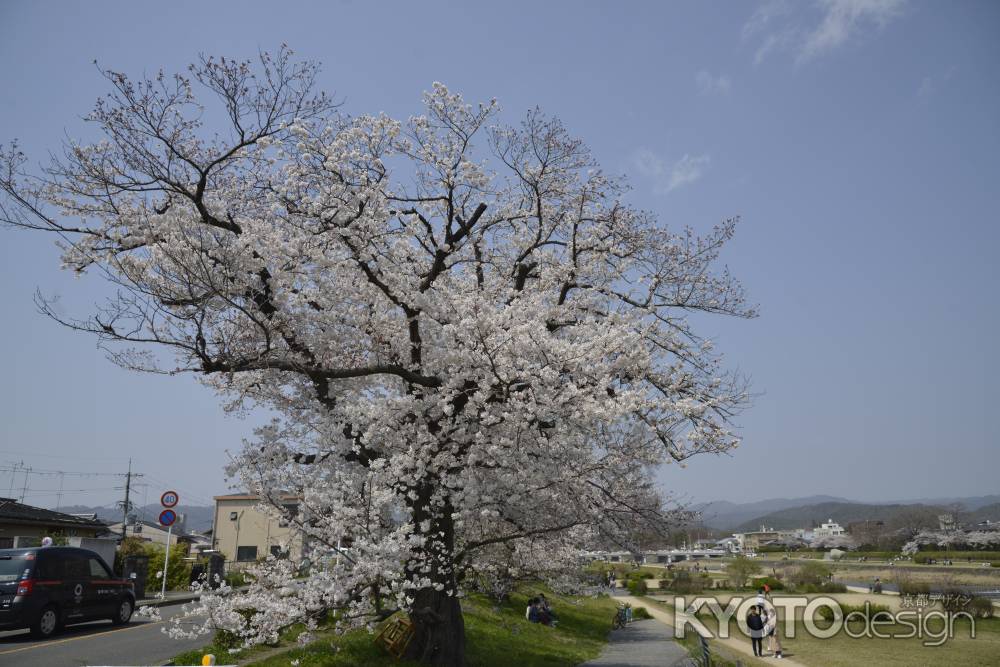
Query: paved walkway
x: 642, y: 644
x: 740, y: 647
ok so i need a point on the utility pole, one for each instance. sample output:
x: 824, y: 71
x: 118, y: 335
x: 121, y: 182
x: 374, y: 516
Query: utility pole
x: 60, y: 494
x: 24, y: 489
x: 13, y: 474
x: 125, y: 505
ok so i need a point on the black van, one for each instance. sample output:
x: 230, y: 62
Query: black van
x: 48, y: 587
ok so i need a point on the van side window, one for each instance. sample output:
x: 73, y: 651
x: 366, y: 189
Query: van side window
x: 97, y: 569
x: 48, y: 567
x: 76, y: 567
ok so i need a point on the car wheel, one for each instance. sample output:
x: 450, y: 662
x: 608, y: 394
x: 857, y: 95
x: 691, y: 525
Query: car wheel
x: 46, y: 624
x: 124, y: 612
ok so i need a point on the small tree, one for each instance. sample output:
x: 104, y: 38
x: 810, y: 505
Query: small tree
x: 742, y: 568
x: 812, y: 572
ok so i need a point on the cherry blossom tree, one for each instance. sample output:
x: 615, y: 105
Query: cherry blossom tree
x: 466, y: 336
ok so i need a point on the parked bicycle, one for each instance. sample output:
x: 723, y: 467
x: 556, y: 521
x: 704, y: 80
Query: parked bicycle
x: 621, y: 618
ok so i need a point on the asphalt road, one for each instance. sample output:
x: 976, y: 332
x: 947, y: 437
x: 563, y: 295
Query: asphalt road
x: 141, y: 642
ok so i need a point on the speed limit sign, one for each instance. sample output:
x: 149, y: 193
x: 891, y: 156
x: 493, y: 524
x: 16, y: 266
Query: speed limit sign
x: 169, y: 499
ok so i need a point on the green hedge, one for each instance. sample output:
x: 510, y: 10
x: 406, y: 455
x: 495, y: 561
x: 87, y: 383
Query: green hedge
x: 825, y: 587
x: 960, y: 556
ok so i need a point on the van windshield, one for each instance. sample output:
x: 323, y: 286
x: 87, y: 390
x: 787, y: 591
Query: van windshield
x: 14, y: 566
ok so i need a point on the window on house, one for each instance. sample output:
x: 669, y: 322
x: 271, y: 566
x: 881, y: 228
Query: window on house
x: 246, y: 554
x: 6, y: 542
x: 278, y: 552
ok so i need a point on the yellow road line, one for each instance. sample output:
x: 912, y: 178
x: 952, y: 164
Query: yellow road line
x: 73, y: 639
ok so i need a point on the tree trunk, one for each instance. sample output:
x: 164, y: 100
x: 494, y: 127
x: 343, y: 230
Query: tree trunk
x: 440, y: 629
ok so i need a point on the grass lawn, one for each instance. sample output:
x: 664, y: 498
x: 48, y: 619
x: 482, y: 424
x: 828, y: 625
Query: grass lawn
x: 843, y: 650
x: 494, y: 638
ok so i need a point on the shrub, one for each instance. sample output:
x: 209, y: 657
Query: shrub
x: 178, y: 570
x: 637, y: 586
x: 773, y: 583
x: 980, y: 607
x: 236, y: 578
x: 995, y: 563
x: 641, y: 614
x: 825, y: 587
x: 813, y: 572
x: 683, y: 583
x: 130, y: 546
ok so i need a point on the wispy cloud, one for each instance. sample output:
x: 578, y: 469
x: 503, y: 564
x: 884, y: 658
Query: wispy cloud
x: 842, y: 18
x: 930, y: 84
x: 709, y: 84
x: 684, y: 171
x: 780, y: 26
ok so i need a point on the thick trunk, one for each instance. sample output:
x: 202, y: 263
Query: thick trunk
x: 440, y: 629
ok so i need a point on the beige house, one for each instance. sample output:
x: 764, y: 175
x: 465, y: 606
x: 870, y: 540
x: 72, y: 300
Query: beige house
x: 243, y: 533
x: 754, y: 540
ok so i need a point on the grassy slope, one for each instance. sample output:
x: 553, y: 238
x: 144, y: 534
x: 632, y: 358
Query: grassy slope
x: 495, y: 638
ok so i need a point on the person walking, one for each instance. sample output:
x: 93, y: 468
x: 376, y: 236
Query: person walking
x: 756, y: 625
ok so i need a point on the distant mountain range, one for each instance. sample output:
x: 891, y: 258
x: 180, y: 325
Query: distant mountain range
x: 778, y: 513
x: 784, y: 513
x: 197, y: 517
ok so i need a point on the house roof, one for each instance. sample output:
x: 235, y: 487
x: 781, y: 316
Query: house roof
x: 12, y: 511
x: 253, y: 496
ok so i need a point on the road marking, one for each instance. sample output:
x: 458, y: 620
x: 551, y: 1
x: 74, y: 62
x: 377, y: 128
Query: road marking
x: 73, y: 639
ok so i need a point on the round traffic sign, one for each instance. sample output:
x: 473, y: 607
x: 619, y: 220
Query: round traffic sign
x: 169, y: 498
x: 167, y: 517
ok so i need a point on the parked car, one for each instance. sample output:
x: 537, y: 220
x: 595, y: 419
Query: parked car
x: 46, y: 588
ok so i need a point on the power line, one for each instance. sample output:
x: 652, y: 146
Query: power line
x: 88, y: 457
x: 40, y: 471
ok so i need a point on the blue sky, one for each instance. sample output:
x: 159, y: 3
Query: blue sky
x: 857, y: 139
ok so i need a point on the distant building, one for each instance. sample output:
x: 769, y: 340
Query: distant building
x: 149, y: 531
x: 243, y: 533
x: 752, y: 541
x: 947, y: 522
x: 829, y: 529
x: 24, y: 525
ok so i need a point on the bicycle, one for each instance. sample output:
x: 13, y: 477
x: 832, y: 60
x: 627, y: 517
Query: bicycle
x: 620, y: 619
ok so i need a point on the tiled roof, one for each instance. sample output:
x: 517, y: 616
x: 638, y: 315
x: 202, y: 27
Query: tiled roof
x: 15, y: 512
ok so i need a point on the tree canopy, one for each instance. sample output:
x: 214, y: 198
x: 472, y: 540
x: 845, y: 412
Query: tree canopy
x: 467, y: 337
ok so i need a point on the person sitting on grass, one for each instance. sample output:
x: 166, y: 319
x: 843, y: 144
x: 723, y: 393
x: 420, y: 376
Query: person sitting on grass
x: 546, y: 608
x: 535, y: 614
